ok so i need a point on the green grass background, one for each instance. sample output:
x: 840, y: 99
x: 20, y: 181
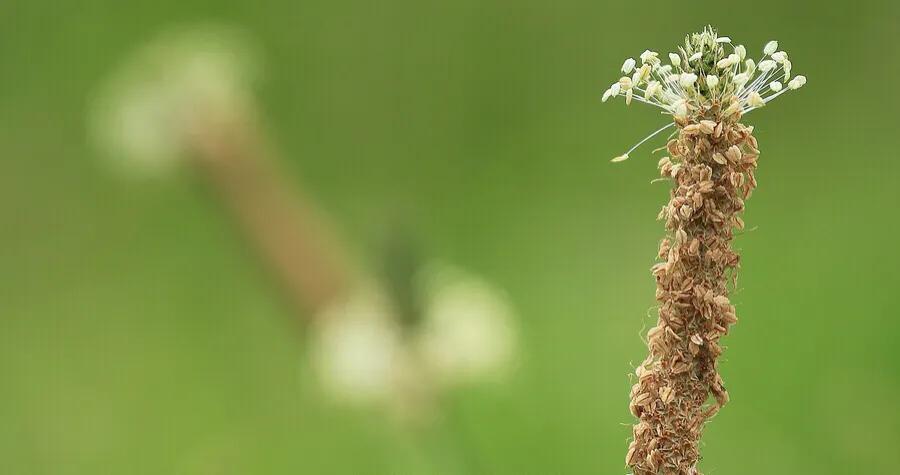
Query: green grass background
x: 138, y: 336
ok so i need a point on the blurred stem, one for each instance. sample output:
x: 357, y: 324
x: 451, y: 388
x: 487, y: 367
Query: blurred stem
x: 280, y: 223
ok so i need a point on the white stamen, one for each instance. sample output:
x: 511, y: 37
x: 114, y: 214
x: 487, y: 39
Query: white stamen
x: 624, y: 156
x: 687, y: 79
x: 649, y: 57
x: 675, y: 59
x: 767, y: 65
x: 755, y: 100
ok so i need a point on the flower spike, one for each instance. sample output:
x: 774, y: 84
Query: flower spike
x: 707, y: 86
x: 704, y: 76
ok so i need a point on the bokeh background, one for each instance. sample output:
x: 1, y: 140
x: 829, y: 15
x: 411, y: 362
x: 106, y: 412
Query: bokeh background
x: 139, y: 336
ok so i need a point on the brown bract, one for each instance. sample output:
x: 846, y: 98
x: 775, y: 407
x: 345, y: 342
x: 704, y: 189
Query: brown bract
x: 711, y: 167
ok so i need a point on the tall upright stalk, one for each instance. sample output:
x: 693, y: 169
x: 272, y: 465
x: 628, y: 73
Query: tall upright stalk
x: 711, y: 165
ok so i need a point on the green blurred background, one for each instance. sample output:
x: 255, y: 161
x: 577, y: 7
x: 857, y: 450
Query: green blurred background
x: 138, y: 335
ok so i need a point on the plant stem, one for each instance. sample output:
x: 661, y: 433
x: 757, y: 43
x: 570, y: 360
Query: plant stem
x: 278, y: 221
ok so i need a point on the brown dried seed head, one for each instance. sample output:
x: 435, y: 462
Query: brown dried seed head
x: 641, y: 429
x: 721, y: 300
x: 672, y: 333
x: 673, y: 148
x: 666, y: 170
x: 654, y: 333
x: 733, y: 153
x: 681, y: 367
x: 659, y: 269
x: 694, y: 246
x: 635, y: 388
x: 753, y: 142
x: 631, y: 457
x: 729, y: 317
x: 635, y: 409
x: 707, y: 126
x: 719, y: 158
x: 718, y: 132
x: 722, y: 398
x: 664, y: 247
x: 691, y: 129
x: 651, y: 460
x: 647, y: 376
x: 698, y: 201
x: 666, y: 394
x: 686, y: 211
x: 697, y: 339
x: 641, y: 399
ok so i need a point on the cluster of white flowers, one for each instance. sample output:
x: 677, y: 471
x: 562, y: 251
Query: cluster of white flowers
x: 708, y: 70
x: 364, y: 354
x: 143, y: 113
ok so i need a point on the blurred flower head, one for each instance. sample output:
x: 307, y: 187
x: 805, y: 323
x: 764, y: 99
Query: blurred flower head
x: 467, y: 335
x: 364, y: 352
x: 358, y: 349
x: 143, y: 115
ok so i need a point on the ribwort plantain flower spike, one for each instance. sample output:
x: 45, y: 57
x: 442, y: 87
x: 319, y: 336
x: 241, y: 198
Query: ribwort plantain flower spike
x: 707, y: 87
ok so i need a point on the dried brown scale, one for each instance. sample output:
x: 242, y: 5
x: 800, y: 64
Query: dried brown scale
x: 711, y: 166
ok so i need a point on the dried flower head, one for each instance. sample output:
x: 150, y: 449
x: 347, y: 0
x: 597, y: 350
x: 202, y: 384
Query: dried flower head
x: 707, y: 87
x: 707, y: 73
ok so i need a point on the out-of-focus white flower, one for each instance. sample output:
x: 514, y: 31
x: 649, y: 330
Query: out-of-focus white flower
x: 358, y: 350
x: 364, y: 354
x: 143, y: 114
x: 468, y: 333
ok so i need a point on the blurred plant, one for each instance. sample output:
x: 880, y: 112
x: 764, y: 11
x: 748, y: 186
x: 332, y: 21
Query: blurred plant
x: 463, y: 334
x: 712, y: 166
x: 145, y: 116
x: 396, y: 341
x: 186, y: 98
